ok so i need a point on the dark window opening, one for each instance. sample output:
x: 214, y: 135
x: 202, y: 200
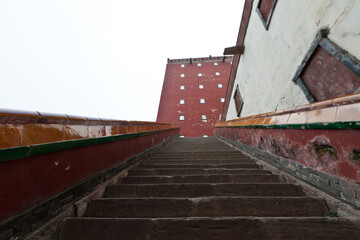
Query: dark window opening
x: 265, y: 10
x: 238, y: 101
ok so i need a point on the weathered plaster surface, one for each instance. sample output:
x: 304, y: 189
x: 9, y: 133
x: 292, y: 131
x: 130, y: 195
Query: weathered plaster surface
x: 329, y: 151
x: 272, y: 57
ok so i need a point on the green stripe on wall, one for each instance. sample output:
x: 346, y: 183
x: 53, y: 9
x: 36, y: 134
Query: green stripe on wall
x: 35, y: 150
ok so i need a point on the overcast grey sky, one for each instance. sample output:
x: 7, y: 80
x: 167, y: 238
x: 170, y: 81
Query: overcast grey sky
x: 104, y: 58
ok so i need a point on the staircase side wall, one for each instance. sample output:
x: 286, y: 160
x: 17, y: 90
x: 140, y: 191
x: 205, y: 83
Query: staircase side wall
x: 318, y: 143
x: 27, y: 184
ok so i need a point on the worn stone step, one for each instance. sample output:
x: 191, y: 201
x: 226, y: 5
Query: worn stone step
x: 236, y: 228
x: 199, y: 154
x: 216, y: 178
x: 200, y: 151
x: 179, y: 158
x: 202, y: 190
x: 194, y: 171
x: 239, y: 159
x: 199, y: 161
x: 179, y: 165
x: 207, y: 207
x: 202, y: 155
x: 209, y: 153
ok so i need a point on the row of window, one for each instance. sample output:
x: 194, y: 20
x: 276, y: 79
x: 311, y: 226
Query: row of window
x: 203, y: 118
x: 182, y: 75
x: 182, y: 87
x: 202, y: 100
x: 199, y: 64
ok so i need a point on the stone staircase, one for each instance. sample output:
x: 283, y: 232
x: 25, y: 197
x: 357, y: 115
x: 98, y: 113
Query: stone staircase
x: 200, y: 188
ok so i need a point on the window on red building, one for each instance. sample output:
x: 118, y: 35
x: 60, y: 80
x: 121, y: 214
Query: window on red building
x: 203, y: 118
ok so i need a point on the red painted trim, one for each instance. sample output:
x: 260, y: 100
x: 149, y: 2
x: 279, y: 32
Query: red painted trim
x: 28, y: 181
x: 240, y: 40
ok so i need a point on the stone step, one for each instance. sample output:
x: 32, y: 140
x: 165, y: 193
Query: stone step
x: 235, y: 228
x: 194, y: 171
x: 219, y: 178
x: 198, y: 161
x: 202, y: 190
x: 179, y: 158
x: 207, y: 207
x: 199, y: 153
x: 227, y: 166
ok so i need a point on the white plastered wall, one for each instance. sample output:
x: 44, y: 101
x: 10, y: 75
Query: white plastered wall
x: 272, y: 57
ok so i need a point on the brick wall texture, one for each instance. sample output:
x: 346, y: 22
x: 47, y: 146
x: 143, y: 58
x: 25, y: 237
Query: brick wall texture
x: 170, y: 108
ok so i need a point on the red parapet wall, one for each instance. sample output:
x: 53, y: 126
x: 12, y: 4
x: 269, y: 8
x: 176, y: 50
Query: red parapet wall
x: 42, y: 155
x: 27, y: 181
x: 325, y: 150
x: 323, y: 136
x: 240, y: 41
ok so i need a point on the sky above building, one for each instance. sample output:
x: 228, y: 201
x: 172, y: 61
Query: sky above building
x: 104, y: 58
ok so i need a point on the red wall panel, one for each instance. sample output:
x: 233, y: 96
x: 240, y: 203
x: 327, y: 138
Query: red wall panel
x: 326, y: 77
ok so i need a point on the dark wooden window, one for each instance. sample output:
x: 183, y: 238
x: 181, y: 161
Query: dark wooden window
x: 328, y: 71
x: 265, y: 10
x: 238, y: 101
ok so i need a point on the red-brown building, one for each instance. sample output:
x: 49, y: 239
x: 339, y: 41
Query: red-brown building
x: 193, y: 94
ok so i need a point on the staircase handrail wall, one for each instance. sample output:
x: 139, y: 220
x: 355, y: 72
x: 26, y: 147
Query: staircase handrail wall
x: 42, y: 174
x: 318, y: 143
